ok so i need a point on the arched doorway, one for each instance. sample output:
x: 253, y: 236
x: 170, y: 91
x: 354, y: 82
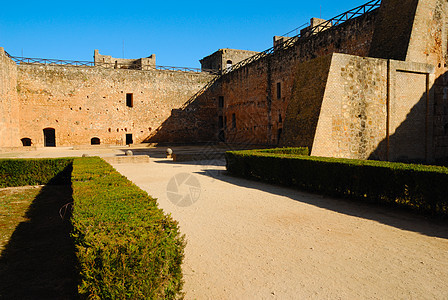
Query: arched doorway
x: 95, y: 141
x: 49, y: 137
x: 26, y: 142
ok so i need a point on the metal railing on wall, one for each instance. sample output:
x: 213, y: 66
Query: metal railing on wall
x: 80, y: 63
x: 290, y: 42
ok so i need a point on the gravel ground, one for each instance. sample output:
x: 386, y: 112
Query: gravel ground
x: 250, y: 240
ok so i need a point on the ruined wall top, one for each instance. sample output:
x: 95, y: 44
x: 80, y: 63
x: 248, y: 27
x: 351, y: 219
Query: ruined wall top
x: 122, y: 63
x: 225, y: 58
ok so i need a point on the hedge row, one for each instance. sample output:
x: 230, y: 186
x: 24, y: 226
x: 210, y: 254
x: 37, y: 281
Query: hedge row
x: 21, y: 172
x: 126, y: 246
x: 419, y: 187
x: 290, y: 150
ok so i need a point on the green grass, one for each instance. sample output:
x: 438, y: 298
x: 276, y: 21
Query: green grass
x: 14, y: 203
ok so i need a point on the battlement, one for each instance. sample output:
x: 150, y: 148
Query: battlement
x: 225, y: 59
x: 108, y: 61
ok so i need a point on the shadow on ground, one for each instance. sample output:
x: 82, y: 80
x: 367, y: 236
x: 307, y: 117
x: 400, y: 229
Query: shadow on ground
x: 391, y: 216
x: 39, y: 261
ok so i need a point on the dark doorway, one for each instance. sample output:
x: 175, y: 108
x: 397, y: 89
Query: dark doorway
x: 95, y: 141
x: 279, y: 135
x: 222, y: 136
x: 49, y: 137
x: 129, y: 140
x: 26, y: 142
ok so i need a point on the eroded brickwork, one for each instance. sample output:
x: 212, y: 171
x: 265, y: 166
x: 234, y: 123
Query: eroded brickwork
x: 251, y: 94
x: 84, y: 103
x: 352, y: 121
x: 9, y: 107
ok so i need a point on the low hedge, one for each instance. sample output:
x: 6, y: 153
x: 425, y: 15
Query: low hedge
x: 419, y: 187
x: 289, y: 150
x: 126, y: 246
x: 21, y: 172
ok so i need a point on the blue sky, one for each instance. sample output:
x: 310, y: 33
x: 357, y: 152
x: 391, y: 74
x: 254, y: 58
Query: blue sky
x: 179, y: 33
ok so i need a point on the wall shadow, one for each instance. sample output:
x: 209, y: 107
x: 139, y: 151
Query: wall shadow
x: 39, y: 261
x: 392, y: 216
x: 195, y: 122
x: 408, y: 143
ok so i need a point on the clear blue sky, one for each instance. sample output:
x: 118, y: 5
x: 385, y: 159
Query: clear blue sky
x: 178, y: 32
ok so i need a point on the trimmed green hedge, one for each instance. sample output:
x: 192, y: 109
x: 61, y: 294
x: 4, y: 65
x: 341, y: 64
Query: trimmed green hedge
x: 419, y: 187
x: 126, y: 246
x: 20, y: 172
x: 289, y: 150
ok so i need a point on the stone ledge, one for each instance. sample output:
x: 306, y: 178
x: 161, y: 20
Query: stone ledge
x: 127, y: 159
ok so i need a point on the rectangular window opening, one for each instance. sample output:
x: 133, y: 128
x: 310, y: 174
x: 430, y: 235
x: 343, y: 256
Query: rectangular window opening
x: 233, y: 121
x: 279, y: 90
x: 221, y: 122
x: 129, y: 100
x: 221, y: 102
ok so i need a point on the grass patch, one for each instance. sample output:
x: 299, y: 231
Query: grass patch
x: 125, y: 247
x: 39, y: 259
x: 14, y: 203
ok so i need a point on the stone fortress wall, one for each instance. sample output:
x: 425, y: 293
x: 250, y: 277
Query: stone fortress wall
x: 85, y: 103
x: 9, y: 105
x: 374, y: 87
x: 107, y: 61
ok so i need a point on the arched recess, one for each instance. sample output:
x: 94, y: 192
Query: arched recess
x: 95, y: 141
x: 26, y: 142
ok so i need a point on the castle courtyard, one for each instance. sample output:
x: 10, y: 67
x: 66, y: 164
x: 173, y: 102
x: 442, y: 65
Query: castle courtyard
x: 251, y: 240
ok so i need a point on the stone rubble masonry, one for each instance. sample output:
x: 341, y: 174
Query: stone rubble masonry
x: 224, y: 58
x: 82, y: 103
x: 360, y: 119
x: 107, y: 61
x: 250, y: 93
x: 9, y: 106
x: 374, y: 87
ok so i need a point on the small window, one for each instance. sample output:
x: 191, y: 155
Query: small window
x: 221, y: 122
x: 446, y: 128
x: 95, y: 141
x: 279, y: 135
x: 26, y: 142
x: 233, y: 121
x: 129, y: 100
x: 279, y: 90
x: 221, y: 102
x: 280, y: 120
x: 229, y: 64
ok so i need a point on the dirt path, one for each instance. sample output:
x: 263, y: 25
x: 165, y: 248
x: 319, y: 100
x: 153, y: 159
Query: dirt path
x: 249, y: 240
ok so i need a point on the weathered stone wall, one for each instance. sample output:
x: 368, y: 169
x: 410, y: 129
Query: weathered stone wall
x: 82, y: 103
x: 251, y: 92
x: 352, y: 121
x: 393, y: 29
x: 367, y: 109
x: 417, y: 31
x: 107, y: 61
x: 304, y: 105
x: 9, y: 107
x: 219, y: 59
